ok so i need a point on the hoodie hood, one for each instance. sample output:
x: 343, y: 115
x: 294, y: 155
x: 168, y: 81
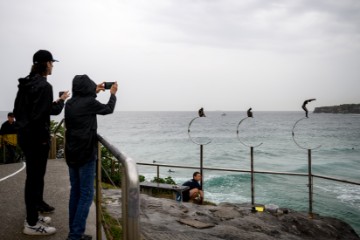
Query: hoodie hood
x: 83, y: 86
x: 32, y: 84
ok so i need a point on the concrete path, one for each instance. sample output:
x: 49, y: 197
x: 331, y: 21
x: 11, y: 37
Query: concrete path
x: 57, y: 188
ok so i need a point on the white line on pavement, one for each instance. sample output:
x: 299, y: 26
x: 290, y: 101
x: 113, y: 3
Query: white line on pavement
x: 13, y: 174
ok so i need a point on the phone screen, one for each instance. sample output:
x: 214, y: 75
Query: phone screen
x: 108, y: 85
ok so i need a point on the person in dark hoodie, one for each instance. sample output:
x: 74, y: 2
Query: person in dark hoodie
x: 81, y: 148
x: 195, y: 192
x: 32, y: 109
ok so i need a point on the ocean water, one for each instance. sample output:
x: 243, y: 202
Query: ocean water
x: 163, y: 137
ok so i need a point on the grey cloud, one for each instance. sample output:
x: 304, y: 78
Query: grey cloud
x: 275, y: 25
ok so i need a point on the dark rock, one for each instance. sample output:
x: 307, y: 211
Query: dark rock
x: 195, y: 223
x: 163, y: 219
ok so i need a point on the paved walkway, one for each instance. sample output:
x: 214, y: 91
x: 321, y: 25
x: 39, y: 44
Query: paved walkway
x: 12, y: 205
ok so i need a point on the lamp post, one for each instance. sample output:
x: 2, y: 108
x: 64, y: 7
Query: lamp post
x: 310, y: 177
x: 251, y: 158
x: 201, y: 141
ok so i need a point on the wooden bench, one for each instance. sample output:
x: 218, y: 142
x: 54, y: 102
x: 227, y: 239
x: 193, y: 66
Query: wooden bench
x: 147, y: 188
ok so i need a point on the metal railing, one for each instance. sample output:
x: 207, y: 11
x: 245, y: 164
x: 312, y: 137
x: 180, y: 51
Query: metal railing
x: 252, y: 172
x: 130, y: 193
x: 129, y: 185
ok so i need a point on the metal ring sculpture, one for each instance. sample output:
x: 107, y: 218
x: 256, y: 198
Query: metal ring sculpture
x: 237, y: 134
x: 293, y: 136
x: 192, y: 139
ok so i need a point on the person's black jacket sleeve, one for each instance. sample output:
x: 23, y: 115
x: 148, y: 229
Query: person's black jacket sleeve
x: 99, y: 108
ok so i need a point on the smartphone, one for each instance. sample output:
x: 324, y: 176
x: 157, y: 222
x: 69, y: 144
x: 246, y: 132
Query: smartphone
x: 61, y: 93
x: 107, y: 85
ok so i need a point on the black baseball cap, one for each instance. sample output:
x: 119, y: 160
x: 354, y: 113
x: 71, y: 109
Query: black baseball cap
x: 43, y: 56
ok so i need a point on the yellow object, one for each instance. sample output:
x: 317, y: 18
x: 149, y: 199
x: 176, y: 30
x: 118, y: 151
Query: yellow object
x: 10, y: 139
x: 259, y: 209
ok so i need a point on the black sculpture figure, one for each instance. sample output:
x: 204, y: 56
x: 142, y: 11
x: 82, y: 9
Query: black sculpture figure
x: 304, y: 105
x: 201, y: 112
x: 249, y: 113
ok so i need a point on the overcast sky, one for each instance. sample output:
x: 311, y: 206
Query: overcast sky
x: 225, y: 55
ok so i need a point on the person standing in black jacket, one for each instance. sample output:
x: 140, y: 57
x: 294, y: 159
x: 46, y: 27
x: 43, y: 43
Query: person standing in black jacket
x: 32, y: 109
x: 81, y: 148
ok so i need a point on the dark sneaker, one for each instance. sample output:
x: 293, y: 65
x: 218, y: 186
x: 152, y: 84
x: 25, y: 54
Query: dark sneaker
x: 83, y: 237
x: 45, y: 208
x: 38, y: 229
x: 86, y: 237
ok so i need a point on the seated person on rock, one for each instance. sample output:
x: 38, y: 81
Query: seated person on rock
x: 195, y: 192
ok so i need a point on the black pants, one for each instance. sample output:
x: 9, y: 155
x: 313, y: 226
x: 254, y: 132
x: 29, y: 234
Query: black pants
x: 36, y: 154
x: 10, y: 153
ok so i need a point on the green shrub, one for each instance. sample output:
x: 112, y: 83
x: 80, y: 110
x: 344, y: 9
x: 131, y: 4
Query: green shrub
x: 167, y: 180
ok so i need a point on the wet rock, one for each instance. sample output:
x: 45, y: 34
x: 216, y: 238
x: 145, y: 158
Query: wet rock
x: 195, y: 223
x: 163, y: 219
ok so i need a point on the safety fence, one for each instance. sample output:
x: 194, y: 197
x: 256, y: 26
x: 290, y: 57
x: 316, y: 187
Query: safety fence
x: 252, y: 172
x: 130, y: 192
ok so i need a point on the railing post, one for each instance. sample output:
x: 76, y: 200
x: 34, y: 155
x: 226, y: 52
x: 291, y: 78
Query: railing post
x: 112, y: 167
x: 53, y: 147
x: 310, y: 184
x: 124, y: 197
x: 98, y: 195
x: 201, y: 166
x: 252, y: 175
x: 158, y: 171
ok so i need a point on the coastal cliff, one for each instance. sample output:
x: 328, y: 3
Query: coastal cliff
x: 344, y: 108
x: 163, y: 219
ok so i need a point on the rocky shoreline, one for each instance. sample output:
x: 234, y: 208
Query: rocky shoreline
x: 163, y: 219
x: 344, y: 108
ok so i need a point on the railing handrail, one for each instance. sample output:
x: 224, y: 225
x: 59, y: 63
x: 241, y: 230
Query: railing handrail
x: 249, y: 171
x: 130, y: 192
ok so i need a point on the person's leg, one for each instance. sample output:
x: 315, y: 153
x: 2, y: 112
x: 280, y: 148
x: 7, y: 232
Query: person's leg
x: 43, y: 157
x: 74, y: 195
x: 86, y: 177
x: 193, y: 193
x: 30, y: 190
x: 10, y: 153
x: 196, y: 195
x: 201, y: 193
x: 30, y: 151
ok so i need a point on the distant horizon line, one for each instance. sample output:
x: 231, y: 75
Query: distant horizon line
x: 197, y: 111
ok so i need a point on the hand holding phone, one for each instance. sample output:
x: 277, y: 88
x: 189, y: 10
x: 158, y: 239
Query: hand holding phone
x: 64, y: 95
x: 107, y: 85
x: 114, y: 88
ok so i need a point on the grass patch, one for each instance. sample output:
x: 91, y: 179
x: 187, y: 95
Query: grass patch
x: 108, y: 186
x: 112, y: 229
